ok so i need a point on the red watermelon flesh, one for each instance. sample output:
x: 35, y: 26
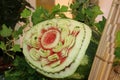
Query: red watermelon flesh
x: 50, y: 39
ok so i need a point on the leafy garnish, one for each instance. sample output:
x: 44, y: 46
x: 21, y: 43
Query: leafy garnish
x: 64, y: 9
x: 117, y: 52
x: 2, y: 45
x: 41, y: 14
x: 8, y: 36
x: 85, y: 12
x: 100, y: 25
x: 117, y: 49
x: 18, y: 32
x: 6, y: 31
x: 16, y: 48
x: 26, y: 13
x: 118, y: 39
x: 21, y: 70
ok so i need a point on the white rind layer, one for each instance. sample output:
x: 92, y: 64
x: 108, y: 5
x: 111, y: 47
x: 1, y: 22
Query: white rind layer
x: 75, y: 55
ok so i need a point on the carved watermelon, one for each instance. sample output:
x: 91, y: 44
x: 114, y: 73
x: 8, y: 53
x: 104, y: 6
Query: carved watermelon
x: 56, y: 47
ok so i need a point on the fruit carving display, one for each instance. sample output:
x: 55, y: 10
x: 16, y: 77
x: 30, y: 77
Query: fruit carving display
x: 56, y: 47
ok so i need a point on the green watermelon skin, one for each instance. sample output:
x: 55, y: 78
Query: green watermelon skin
x: 76, y: 45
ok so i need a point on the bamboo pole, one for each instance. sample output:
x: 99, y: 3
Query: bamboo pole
x: 103, y: 51
x: 99, y: 50
x: 111, y: 52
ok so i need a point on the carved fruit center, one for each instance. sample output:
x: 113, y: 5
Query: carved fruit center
x: 50, y: 39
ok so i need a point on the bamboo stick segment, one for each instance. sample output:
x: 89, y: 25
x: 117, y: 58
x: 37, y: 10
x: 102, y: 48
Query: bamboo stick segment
x: 111, y: 14
x: 117, y: 15
x: 102, y: 68
x: 108, y: 69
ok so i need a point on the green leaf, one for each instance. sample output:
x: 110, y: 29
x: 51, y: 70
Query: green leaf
x: 75, y: 5
x: 26, y: 13
x: 18, y: 32
x: 16, y: 48
x: 93, y: 12
x: 117, y: 52
x: 64, y: 9
x: 56, y: 8
x: 62, y: 15
x: 17, y: 73
x: 2, y: 45
x: 97, y: 10
x: 118, y: 39
x: 17, y: 61
x: 5, y: 32
x: 101, y: 24
x: 84, y: 60
x: 39, y: 15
